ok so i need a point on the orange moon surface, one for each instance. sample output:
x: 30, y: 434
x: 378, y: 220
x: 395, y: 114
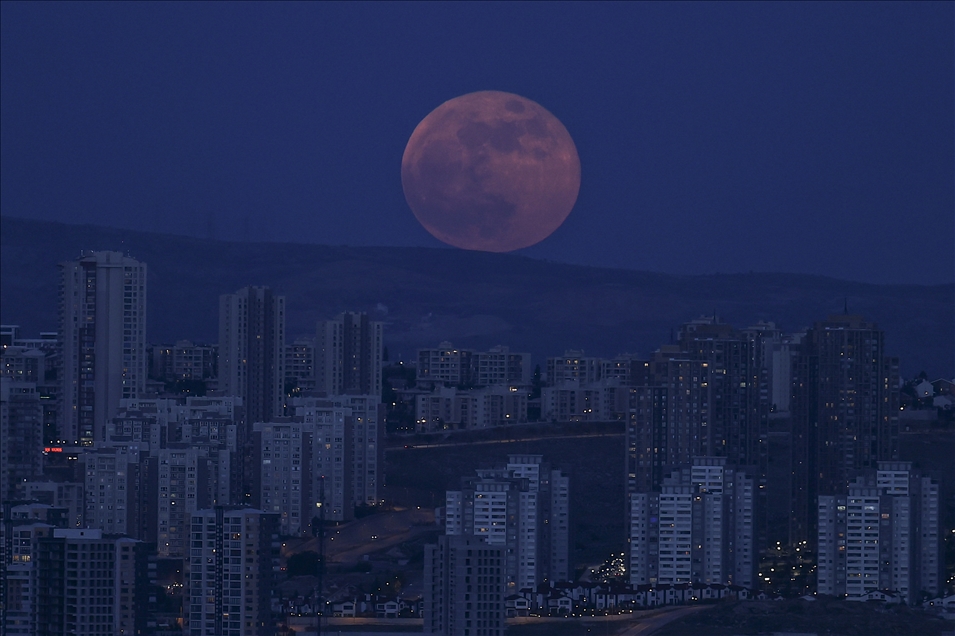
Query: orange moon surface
x: 490, y: 171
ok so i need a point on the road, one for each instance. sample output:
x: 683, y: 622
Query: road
x: 499, y: 441
x: 651, y: 624
x: 348, y: 543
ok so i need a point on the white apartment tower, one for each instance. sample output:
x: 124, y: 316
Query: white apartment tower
x: 230, y: 571
x: 883, y: 534
x: 698, y: 528
x: 103, y: 333
x: 522, y: 507
x: 252, y: 351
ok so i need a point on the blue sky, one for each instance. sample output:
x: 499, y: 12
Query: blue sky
x: 713, y: 137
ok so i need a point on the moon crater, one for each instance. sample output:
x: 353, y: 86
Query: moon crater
x: 490, y: 171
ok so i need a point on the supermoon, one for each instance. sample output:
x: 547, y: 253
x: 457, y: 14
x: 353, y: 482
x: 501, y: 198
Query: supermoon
x: 490, y: 171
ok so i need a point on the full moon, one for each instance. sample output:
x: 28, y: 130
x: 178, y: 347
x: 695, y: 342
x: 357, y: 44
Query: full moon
x: 490, y: 171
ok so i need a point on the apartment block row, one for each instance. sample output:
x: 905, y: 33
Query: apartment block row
x: 699, y: 527
x: 506, y: 529
x: 881, y: 534
x: 60, y: 580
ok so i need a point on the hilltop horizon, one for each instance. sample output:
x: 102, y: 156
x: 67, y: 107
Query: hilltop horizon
x: 473, y: 299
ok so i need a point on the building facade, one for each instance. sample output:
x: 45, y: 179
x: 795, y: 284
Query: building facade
x: 252, y: 351
x: 348, y: 355
x: 232, y: 566
x: 699, y: 527
x: 523, y: 506
x: 90, y: 584
x: 464, y: 587
x: 844, y: 409
x: 103, y: 335
x: 883, y: 533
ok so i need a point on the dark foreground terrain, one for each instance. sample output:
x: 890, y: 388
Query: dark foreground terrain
x: 824, y: 617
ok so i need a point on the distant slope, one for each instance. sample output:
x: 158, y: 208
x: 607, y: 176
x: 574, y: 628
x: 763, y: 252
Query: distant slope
x: 472, y: 299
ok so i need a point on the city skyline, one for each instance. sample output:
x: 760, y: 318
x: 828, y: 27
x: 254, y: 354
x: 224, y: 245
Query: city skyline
x: 713, y: 138
x: 726, y: 376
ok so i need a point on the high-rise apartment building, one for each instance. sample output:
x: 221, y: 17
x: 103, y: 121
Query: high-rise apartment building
x: 232, y: 566
x: 283, y: 484
x: 573, y: 366
x: 844, y: 412
x: 699, y: 527
x: 90, y: 584
x: 21, y: 435
x: 252, y: 351
x: 464, y: 587
x: 300, y: 366
x: 524, y: 507
x: 183, y: 361
x: 19, y: 592
x: 112, y: 489
x: 103, y: 335
x: 445, y: 364
x: 348, y: 355
x: 705, y: 396
x: 669, y: 421
x: 882, y: 533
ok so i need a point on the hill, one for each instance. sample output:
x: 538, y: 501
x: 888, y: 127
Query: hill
x: 472, y: 299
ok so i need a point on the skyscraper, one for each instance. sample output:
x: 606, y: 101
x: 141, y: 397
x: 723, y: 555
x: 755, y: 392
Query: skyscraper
x: 844, y: 412
x: 699, y: 527
x: 464, y: 587
x: 103, y: 334
x: 230, y: 572
x: 21, y: 436
x: 882, y: 533
x: 348, y: 353
x: 252, y: 351
x: 523, y: 506
x: 90, y: 584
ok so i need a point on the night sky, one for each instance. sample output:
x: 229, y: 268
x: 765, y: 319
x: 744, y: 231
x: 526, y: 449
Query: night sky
x: 789, y: 137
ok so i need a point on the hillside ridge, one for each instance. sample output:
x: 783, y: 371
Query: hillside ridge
x: 473, y: 299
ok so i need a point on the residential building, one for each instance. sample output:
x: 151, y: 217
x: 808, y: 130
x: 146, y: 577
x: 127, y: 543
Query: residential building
x: 523, y: 506
x: 449, y: 407
x: 230, y: 572
x: 21, y: 435
x: 882, y: 533
x: 66, y: 495
x: 445, y: 365
x: 699, y: 527
x: 844, y: 412
x: 183, y: 361
x: 464, y: 587
x: 252, y: 351
x: 348, y: 354
x: 300, y: 367
x: 103, y: 336
x: 600, y: 401
x: 19, y: 617
x: 466, y: 367
x: 573, y: 366
x: 112, y: 489
x: 283, y: 481
x: 90, y: 584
